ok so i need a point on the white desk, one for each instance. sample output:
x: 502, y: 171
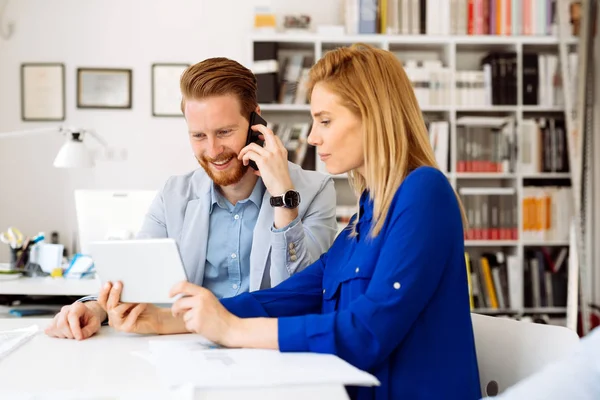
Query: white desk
x: 48, y: 286
x: 103, y: 365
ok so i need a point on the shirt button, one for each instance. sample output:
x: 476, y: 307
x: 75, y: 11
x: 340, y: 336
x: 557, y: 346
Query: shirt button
x: 236, y: 216
x: 397, y: 285
x: 293, y: 258
x: 323, y: 291
x: 291, y: 246
x: 233, y: 255
x: 356, y: 270
x: 234, y: 286
x: 292, y: 252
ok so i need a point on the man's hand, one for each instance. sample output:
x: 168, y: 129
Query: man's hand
x: 77, y: 321
x: 128, y: 317
x: 272, y: 161
x: 203, y: 313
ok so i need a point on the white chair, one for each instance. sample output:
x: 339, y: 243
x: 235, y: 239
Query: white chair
x: 508, y: 351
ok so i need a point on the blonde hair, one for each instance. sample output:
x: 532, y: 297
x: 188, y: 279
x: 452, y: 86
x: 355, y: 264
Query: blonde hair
x: 371, y: 82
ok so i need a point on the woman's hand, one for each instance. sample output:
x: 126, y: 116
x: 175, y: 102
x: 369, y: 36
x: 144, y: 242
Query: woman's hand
x: 203, y: 313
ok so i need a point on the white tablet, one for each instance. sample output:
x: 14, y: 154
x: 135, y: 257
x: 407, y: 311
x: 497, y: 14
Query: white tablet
x: 148, y: 268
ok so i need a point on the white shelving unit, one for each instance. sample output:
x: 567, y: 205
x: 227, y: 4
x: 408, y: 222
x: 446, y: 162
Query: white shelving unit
x: 455, y: 52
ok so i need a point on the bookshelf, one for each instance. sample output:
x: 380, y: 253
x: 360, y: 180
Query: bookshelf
x: 455, y: 54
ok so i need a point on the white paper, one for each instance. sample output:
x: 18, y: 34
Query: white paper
x: 181, y: 364
x: 11, y: 339
x: 182, y: 393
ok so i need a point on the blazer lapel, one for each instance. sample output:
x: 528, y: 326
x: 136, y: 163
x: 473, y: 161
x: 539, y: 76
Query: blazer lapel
x: 194, y: 234
x: 261, y: 243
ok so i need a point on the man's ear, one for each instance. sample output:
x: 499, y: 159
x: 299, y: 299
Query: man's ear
x: 257, y: 110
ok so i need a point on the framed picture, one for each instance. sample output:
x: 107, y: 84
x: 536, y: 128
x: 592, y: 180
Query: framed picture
x: 104, y: 88
x: 166, y: 95
x: 42, y: 92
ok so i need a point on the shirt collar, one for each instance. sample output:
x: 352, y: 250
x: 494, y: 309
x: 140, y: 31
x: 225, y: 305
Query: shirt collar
x: 255, y: 197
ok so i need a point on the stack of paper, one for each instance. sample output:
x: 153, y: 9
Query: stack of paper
x: 196, y: 363
x: 11, y: 339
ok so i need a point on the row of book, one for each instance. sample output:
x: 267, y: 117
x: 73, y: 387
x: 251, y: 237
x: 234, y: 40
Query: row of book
x: 509, y: 17
x: 492, y: 213
x: 293, y: 79
x: 500, y: 281
x: 431, y: 82
x: 547, y: 213
x: 451, y: 17
x: 543, y: 146
x: 282, y: 79
x: 485, y: 146
x: 495, y: 83
x: 542, y: 79
x: 294, y: 137
x: 491, y: 144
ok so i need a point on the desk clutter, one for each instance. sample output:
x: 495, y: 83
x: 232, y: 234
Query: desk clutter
x: 33, y: 256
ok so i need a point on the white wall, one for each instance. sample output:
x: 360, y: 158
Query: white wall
x: 111, y: 33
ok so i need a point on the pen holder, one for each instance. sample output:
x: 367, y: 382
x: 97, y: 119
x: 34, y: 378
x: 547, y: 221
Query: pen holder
x: 19, y: 258
x: 14, y: 258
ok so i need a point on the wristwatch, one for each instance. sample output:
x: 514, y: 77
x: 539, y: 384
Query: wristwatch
x: 290, y: 199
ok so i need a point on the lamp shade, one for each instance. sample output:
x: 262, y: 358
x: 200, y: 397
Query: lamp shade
x: 74, y: 154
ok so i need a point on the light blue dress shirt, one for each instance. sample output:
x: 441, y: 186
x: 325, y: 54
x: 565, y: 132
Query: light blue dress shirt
x: 227, y: 269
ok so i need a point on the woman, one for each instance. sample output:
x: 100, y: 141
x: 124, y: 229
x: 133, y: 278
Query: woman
x: 390, y: 296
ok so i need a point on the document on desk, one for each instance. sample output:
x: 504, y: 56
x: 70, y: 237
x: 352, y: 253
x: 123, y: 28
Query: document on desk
x: 216, y: 368
x: 11, y: 339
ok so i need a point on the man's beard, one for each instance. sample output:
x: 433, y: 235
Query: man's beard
x: 233, y: 174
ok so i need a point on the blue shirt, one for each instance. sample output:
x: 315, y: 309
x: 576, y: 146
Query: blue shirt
x: 227, y: 268
x: 396, y: 306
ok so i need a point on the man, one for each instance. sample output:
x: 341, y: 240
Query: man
x: 231, y: 238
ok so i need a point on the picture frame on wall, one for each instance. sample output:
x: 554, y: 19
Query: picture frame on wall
x: 104, y: 88
x: 166, y: 95
x: 43, y: 92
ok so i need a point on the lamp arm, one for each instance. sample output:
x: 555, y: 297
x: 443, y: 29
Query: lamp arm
x: 99, y: 138
x: 30, y: 132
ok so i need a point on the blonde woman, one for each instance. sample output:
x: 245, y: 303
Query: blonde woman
x: 390, y: 296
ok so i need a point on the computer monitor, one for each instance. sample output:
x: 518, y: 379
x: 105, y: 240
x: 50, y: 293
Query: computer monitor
x: 110, y: 214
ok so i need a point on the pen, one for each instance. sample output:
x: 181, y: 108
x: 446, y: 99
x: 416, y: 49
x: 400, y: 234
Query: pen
x: 21, y: 258
x: 38, y: 238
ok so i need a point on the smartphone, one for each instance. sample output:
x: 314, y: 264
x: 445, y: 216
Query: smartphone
x: 255, y: 119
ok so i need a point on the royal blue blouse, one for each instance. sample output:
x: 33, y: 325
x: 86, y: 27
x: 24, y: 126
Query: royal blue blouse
x: 395, y: 305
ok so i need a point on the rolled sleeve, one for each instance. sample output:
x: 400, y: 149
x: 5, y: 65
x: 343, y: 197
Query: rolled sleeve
x: 289, y: 251
x: 287, y: 227
x: 244, y: 306
x: 291, y: 333
x: 309, y: 333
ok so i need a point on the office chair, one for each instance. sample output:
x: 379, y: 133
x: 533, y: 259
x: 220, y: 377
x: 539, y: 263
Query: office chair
x: 509, y: 351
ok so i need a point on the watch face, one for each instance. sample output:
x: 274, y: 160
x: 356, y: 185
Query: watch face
x: 291, y: 198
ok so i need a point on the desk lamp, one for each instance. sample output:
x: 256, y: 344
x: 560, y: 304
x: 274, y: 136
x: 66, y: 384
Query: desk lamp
x: 73, y: 153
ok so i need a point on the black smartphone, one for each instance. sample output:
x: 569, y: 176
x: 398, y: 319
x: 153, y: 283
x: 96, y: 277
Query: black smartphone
x: 255, y: 119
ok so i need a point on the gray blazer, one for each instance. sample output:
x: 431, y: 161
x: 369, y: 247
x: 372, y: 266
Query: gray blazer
x: 181, y: 211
